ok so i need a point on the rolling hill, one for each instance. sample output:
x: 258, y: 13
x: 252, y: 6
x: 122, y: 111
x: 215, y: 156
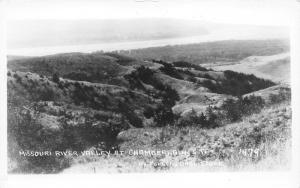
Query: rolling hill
x: 83, y: 101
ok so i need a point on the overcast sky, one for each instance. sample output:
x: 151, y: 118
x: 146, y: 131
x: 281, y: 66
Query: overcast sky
x: 258, y: 12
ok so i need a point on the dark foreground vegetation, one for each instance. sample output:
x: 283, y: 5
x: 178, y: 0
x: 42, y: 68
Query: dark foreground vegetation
x: 30, y: 135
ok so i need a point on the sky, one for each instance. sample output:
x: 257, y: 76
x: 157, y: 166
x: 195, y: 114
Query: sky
x: 256, y: 12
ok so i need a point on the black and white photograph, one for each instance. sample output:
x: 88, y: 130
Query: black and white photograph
x: 148, y: 86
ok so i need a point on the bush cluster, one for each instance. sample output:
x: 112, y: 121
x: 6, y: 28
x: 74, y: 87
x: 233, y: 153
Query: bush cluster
x: 238, y: 84
x: 55, y: 77
x: 209, y: 119
x: 231, y: 111
x: 236, y: 109
x: 169, y: 69
x: 281, y: 96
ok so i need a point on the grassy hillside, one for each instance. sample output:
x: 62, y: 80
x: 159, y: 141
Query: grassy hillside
x: 77, y: 102
x: 260, y: 141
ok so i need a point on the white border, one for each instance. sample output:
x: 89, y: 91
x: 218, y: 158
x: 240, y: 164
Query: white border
x: 216, y: 179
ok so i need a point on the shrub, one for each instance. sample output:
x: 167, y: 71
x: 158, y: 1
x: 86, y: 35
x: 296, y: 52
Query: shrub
x: 213, y: 119
x: 80, y: 95
x: 252, y: 104
x: 163, y: 116
x: 60, y: 85
x: 55, y: 78
x: 211, y: 86
x: 140, y: 74
x: 235, y: 109
x: 145, y: 74
x: 129, y: 113
x: 210, y: 120
x: 232, y: 109
x: 280, y: 97
x: 170, y: 70
x: 170, y: 96
x: 149, y: 112
x: 18, y: 78
x: 45, y: 95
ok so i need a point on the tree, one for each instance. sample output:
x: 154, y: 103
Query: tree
x: 163, y: 115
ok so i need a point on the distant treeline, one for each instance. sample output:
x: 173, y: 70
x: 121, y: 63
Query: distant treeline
x: 231, y: 50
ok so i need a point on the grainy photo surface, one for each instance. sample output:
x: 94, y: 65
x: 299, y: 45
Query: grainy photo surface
x: 158, y: 87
